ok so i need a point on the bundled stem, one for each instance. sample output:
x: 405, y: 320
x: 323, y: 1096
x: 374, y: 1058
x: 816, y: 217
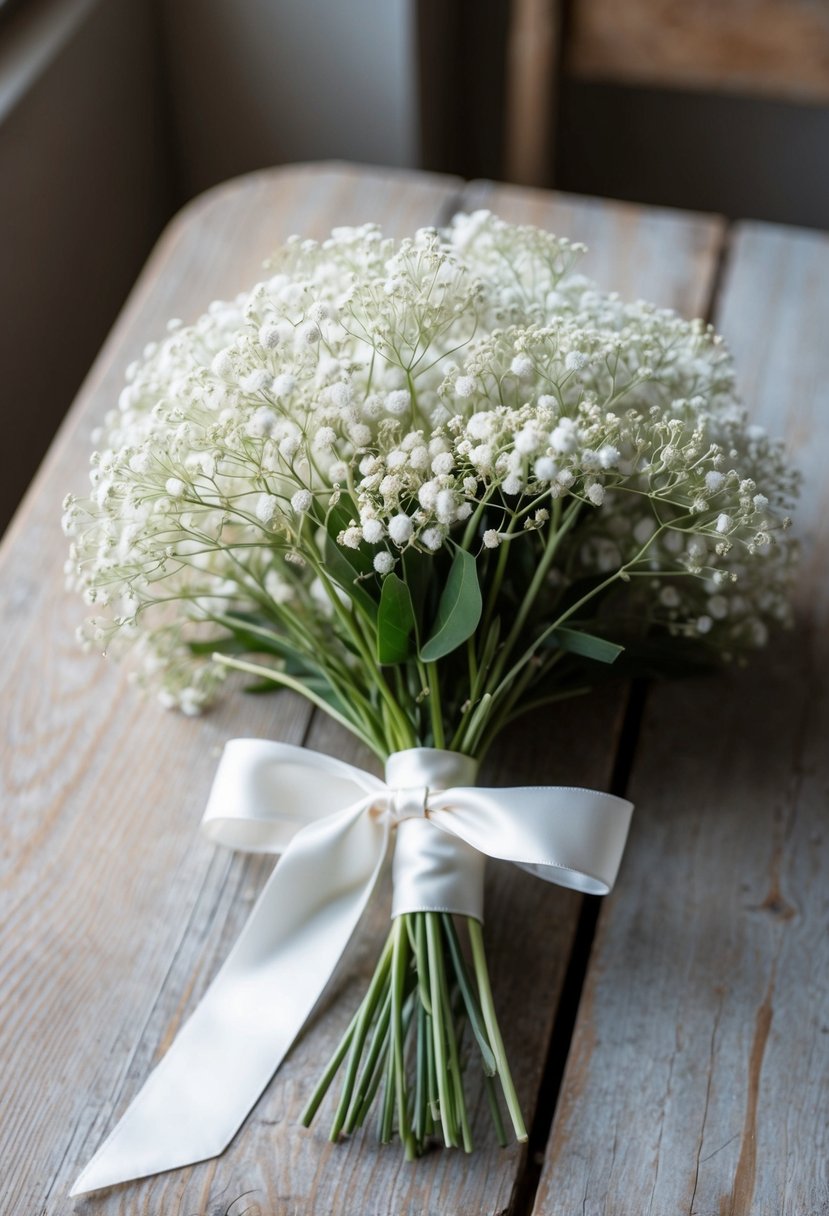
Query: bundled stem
x: 408, y: 1038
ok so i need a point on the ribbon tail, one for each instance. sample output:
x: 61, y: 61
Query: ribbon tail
x: 200, y: 1093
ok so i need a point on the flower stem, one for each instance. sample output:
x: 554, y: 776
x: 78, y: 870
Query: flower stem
x: 433, y: 946
x: 493, y: 1029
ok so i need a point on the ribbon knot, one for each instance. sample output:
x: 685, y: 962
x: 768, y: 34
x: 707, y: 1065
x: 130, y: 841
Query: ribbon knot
x: 410, y: 802
x: 321, y: 815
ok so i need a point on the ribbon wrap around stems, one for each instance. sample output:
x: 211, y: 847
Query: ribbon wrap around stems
x: 332, y: 824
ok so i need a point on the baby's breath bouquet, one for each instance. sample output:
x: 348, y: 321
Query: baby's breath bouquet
x: 430, y: 485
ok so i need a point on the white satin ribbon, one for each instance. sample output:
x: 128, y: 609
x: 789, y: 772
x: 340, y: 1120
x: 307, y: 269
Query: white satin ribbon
x: 332, y: 822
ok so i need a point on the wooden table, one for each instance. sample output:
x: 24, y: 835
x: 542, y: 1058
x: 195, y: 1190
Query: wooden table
x: 673, y: 1056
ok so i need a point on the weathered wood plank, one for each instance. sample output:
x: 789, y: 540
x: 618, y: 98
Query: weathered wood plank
x: 698, y: 1079
x: 162, y: 912
x: 106, y: 888
x: 772, y: 48
x: 531, y: 93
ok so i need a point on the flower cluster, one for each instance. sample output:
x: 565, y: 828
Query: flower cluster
x: 463, y: 389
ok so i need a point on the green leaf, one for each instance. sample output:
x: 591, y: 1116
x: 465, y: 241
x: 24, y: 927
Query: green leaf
x: 459, y: 609
x: 344, y: 572
x: 395, y: 622
x: 347, y: 565
x: 586, y: 645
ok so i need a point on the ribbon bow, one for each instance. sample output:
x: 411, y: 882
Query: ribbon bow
x: 332, y: 824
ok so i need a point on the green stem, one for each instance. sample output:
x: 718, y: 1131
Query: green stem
x: 370, y: 1076
x: 435, y: 707
x: 493, y: 1029
x: 327, y: 1077
x: 456, y: 1076
x: 473, y: 1008
x: 400, y: 962
x: 286, y: 681
x: 439, y: 1029
x: 559, y: 526
x: 378, y: 982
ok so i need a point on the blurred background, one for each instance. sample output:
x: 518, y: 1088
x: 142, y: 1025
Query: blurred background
x: 113, y: 113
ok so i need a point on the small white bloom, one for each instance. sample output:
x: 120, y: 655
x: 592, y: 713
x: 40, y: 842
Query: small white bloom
x: 360, y: 434
x: 301, y: 501
x: 222, y: 365
x: 351, y: 537
x: 522, y: 366
x: 445, y: 506
x: 284, y: 384
x: 596, y: 494
x: 575, y: 360
x: 432, y: 538
x: 340, y: 394
x: 723, y: 523
x: 400, y: 529
x: 309, y: 333
x: 261, y: 423
x: 760, y: 502
x: 269, y: 336
x: 427, y: 495
x: 325, y: 437
x: 527, y: 441
x: 398, y: 402
x: 256, y: 381
x: 545, y: 468
x: 373, y: 531
x: 492, y: 538
x: 714, y: 481
x: 175, y: 487
x: 266, y: 508
x: 565, y: 436
x: 465, y: 386
x: 443, y: 464
x: 383, y: 562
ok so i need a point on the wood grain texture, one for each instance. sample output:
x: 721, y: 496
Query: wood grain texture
x: 115, y: 914
x: 106, y: 887
x: 773, y: 48
x: 698, y: 1079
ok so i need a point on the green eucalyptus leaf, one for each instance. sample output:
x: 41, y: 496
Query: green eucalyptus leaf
x: 459, y: 609
x: 345, y: 572
x: 586, y: 644
x: 395, y: 622
x: 349, y: 567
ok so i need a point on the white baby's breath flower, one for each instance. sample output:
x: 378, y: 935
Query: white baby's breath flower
x: 400, y: 529
x: 462, y: 389
x: 301, y: 501
x: 266, y: 508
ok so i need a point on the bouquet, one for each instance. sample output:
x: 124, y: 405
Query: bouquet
x: 431, y: 486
